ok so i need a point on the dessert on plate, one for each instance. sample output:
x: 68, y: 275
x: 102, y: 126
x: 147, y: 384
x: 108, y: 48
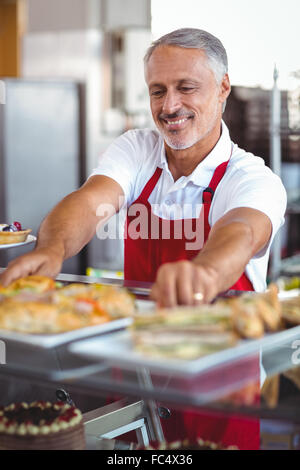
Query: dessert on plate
x: 13, y: 233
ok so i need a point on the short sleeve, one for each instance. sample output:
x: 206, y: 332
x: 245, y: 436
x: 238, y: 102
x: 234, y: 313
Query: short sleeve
x: 259, y: 188
x: 121, y: 161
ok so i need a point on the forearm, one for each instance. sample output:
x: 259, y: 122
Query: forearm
x: 68, y: 227
x: 73, y: 222
x: 233, y: 241
x: 226, y: 254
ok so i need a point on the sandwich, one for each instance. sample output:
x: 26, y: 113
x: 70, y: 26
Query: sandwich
x: 255, y: 313
x: 184, y: 332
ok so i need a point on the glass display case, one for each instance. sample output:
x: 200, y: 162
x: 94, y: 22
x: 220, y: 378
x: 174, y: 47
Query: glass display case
x: 118, y: 392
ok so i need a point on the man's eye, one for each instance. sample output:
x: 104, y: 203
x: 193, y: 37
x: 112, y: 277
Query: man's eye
x: 157, y: 93
x: 186, y: 89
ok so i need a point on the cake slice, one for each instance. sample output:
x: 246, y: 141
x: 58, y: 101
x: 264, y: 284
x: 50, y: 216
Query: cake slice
x: 41, y: 426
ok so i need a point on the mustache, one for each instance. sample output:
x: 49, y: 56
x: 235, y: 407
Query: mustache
x: 177, y: 114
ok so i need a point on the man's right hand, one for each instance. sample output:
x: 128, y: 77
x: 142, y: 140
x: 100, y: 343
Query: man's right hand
x: 68, y: 228
x: 42, y: 261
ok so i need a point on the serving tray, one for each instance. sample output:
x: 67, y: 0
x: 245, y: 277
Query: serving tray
x: 46, y: 341
x: 118, y: 350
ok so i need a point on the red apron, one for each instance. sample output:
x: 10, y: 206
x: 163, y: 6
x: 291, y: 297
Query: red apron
x: 143, y: 256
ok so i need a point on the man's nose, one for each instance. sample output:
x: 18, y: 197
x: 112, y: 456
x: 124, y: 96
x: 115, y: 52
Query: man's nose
x: 171, y: 102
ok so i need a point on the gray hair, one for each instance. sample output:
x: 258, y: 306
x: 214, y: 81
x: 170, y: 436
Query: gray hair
x: 192, y: 38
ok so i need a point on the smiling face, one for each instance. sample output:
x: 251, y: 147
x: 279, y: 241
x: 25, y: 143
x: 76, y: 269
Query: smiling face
x: 186, y: 100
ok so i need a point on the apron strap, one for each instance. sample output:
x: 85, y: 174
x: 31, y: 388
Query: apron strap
x: 145, y: 194
x: 209, y: 192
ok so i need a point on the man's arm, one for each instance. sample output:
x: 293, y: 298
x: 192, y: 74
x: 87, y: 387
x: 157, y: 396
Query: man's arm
x: 67, y: 229
x: 232, y: 242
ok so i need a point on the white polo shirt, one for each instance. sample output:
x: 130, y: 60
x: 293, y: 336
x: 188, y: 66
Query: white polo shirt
x: 133, y: 157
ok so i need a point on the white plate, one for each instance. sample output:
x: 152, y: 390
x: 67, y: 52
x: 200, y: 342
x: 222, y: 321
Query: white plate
x: 118, y: 350
x: 30, y: 239
x: 47, y: 341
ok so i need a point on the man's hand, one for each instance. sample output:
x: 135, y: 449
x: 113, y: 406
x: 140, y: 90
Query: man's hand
x: 232, y: 242
x: 67, y: 229
x: 177, y: 283
x: 42, y: 261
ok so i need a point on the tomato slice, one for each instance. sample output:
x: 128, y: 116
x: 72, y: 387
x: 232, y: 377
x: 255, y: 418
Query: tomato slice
x: 97, y: 308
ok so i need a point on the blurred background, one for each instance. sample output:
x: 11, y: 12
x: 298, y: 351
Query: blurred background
x: 72, y: 80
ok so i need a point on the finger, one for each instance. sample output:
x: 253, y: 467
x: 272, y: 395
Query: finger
x: 198, y: 286
x: 46, y: 270
x: 18, y: 268
x: 153, y: 292
x: 154, y: 295
x: 184, y: 283
x: 11, y: 273
x: 166, y: 286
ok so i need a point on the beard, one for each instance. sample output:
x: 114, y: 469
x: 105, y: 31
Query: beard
x: 181, y: 140
x: 176, y: 142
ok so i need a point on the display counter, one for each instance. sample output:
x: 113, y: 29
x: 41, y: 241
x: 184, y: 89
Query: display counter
x: 141, y: 393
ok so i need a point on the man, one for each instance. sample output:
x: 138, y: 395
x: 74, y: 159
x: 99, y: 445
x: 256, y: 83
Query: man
x: 186, y: 73
x: 189, y: 162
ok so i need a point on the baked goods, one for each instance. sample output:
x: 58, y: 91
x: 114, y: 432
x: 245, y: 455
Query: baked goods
x: 12, y: 233
x: 35, y: 304
x: 184, y: 332
x: 291, y: 311
x: 117, y: 302
x: 255, y: 313
x: 34, y: 284
x: 41, y: 426
x: 191, y: 332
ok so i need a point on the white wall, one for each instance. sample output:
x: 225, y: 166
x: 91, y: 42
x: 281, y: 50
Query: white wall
x: 255, y: 33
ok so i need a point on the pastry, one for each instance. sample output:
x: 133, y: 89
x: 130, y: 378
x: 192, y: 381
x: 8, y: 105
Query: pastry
x: 12, y: 233
x: 291, y: 311
x: 255, y: 313
x: 31, y: 283
x: 34, y: 304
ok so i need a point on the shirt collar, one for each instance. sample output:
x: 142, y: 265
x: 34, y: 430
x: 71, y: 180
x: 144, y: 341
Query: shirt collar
x: 202, y: 174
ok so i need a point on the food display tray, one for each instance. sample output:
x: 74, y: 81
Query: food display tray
x: 46, y: 341
x: 118, y: 350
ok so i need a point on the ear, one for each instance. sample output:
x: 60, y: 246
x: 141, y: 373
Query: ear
x: 225, y: 89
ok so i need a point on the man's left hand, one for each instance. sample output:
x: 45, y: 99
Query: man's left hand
x: 184, y: 283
